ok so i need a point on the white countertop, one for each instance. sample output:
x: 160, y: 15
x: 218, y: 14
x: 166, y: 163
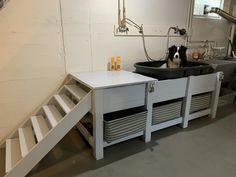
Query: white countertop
x: 107, y: 79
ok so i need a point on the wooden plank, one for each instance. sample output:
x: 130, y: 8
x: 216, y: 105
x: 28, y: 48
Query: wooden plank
x: 65, y: 102
x: 166, y: 124
x: 76, y: 91
x: 110, y: 79
x: 40, y: 127
x: 202, y: 83
x: 199, y: 114
x: 149, y: 107
x: 126, y: 97
x: 169, y: 89
x: 215, y: 95
x: 13, y: 154
x: 86, y: 134
x: 105, y: 144
x: 98, y: 149
x: 53, y: 115
x: 52, y: 138
x: 27, y: 140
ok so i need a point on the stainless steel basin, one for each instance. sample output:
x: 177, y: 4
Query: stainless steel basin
x: 227, y: 66
x: 230, y: 59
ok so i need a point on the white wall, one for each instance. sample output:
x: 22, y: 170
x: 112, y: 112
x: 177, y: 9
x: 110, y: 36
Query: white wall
x: 32, y: 61
x: 31, y: 58
x: 89, y: 27
x: 210, y: 28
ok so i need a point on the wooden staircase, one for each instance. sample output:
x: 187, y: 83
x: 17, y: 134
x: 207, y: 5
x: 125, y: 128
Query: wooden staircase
x: 38, y: 135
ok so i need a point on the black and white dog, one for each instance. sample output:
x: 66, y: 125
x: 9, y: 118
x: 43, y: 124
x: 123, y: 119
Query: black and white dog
x: 176, y: 57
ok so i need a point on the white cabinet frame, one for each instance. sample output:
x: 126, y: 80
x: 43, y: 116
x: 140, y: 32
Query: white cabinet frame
x: 108, y: 96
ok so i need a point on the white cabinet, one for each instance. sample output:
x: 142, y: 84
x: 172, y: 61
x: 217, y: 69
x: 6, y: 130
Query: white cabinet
x: 125, y: 97
x: 115, y: 91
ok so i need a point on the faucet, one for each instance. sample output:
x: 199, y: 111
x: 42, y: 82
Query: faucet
x: 176, y: 31
x: 207, y: 47
x: 222, y: 13
x: 227, y: 16
x: 122, y: 22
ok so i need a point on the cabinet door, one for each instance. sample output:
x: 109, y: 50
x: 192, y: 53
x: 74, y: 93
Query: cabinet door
x: 169, y: 89
x: 125, y: 97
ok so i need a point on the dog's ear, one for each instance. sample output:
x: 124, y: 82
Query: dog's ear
x: 172, y: 48
x: 183, y: 48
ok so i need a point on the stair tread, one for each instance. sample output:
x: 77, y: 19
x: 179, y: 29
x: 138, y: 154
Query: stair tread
x: 13, y: 153
x: 76, y: 91
x: 65, y: 102
x: 40, y: 127
x: 27, y: 140
x: 53, y: 115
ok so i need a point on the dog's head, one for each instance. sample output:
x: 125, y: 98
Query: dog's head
x: 177, y: 56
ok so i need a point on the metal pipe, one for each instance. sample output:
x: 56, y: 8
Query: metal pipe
x: 220, y: 12
x: 119, y: 14
x: 189, y: 22
x: 124, y: 15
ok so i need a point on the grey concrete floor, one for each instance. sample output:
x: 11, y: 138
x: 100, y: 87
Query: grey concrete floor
x: 207, y: 148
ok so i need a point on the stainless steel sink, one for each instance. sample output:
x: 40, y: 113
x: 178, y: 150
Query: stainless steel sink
x: 227, y: 66
x: 230, y: 59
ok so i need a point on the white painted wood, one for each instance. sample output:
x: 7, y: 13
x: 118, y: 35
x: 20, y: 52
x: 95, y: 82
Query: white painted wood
x: 187, y: 104
x: 215, y: 95
x: 52, y: 138
x: 98, y: 150
x: 108, y: 79
x: 199, y: 114
x: 125, y: 97
x: 13, y: 154
x: 150, y: 31
x: 170, y: 89
x: 76, y: 91
x: 202, y: 83
x: 53, y: 115
x: 149, y: 106
x: 50, y: 86
x: 40, y: 127
x: 86, y: 134
x: 27, y: 140
x: 166, y: 124
x: 105, y: 144
x: 65, y: 102
x: 112, y: 91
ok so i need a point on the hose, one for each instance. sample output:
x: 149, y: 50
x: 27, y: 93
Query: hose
x: 144, y: 46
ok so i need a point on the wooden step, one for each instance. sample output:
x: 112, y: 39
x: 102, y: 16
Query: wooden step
x: 13, y: 154
x: 65, y: 102
x: 40, y: 127
x: 53, y: 115
x: 27, y: 140
x: 76, y: 91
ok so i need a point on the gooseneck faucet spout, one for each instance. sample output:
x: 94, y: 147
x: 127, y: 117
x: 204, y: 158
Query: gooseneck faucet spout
x: 176, y: 30
x: 222, y: 13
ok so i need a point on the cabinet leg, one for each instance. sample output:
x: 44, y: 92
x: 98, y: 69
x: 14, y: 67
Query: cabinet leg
x: 98, y: 125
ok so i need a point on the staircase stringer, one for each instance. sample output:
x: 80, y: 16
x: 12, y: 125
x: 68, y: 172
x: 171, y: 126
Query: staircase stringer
x: 26, y: 164
x: 67, y: 79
